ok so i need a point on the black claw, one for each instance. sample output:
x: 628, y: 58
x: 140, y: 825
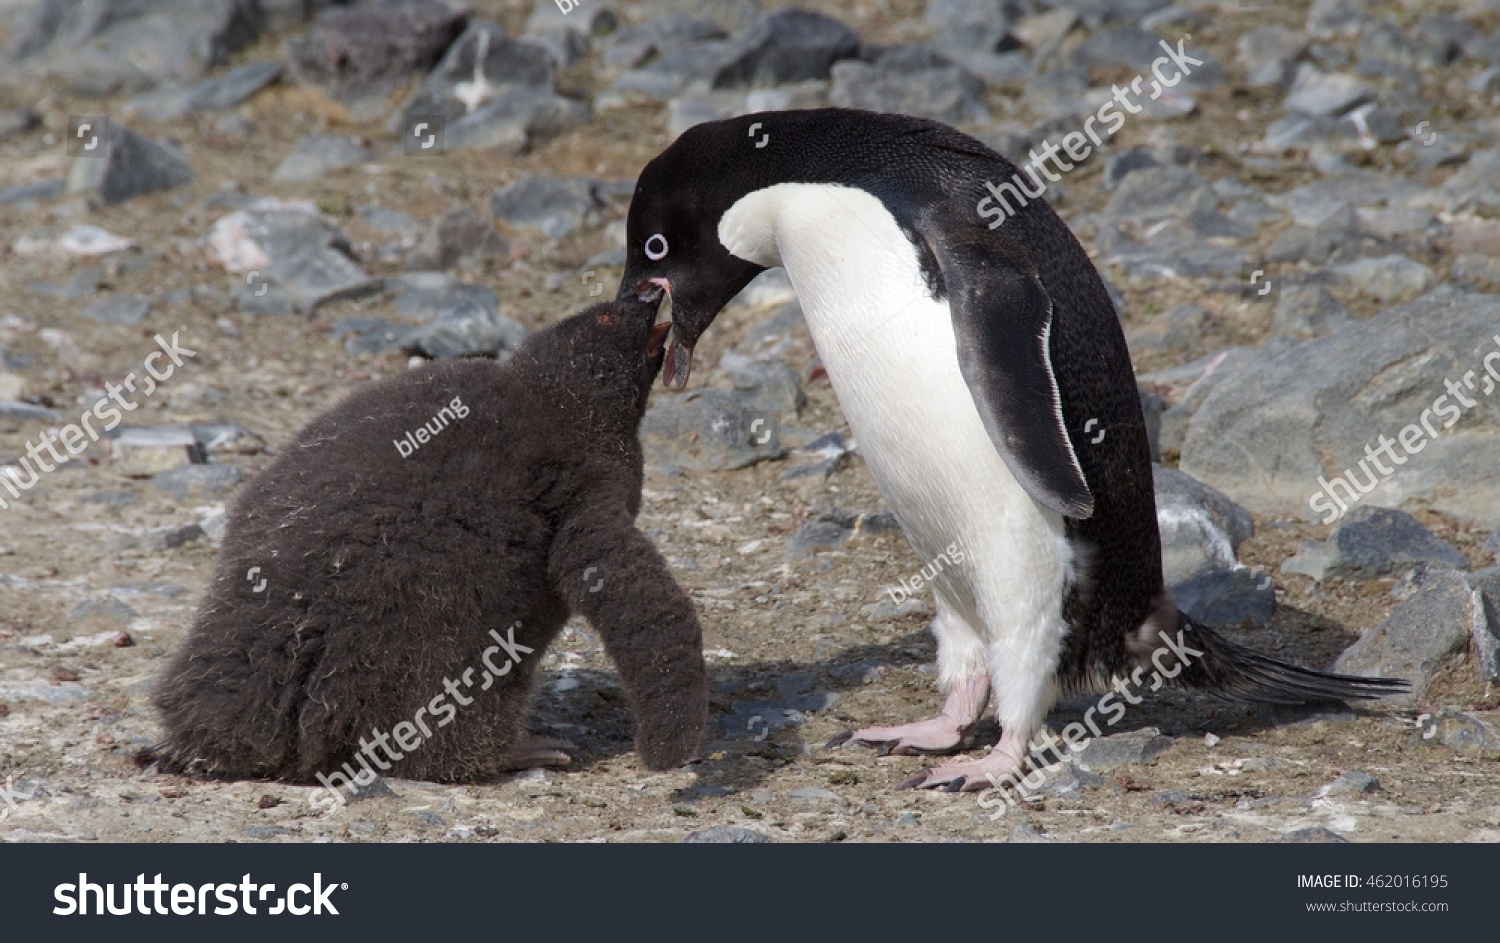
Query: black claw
x: 914, y: 781
x: 958, y: 784
x: 884, y: 747
x: 839, y: 740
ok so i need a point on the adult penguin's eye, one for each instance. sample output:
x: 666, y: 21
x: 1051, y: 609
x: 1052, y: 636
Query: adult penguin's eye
x: 656, y: 247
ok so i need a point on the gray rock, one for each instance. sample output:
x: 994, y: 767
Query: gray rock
x: 128, y: 310
x: 1314, y: 834
x: 887, y: 611
x: 1307, y: 310
x: 1425, y: 632
x: 1102, y: 754
x: 553, y: 206
x: 316, y: 155
x: 1293, y: 421
x: 15, y: 122
x: 709, y: 430
x: 432, y: 295
x: 1227, y: 597
x: 216, y: 94
x: 1201, y: 528
x: 632, y: 46
x: 910, y: 80
x: 110, y: 46
x: 1118, y: 166
x: 28, y: 194
x: 1485, y: 629
x: 101, y: 613
x: 1068, y: 781
x: 567, y: 33
x: 865, y: 671
x: 459, y: 235
x: 514, y: 121
x: 1460, y: 732
x: 369, y: 335
x: 789, y: 45
x: 1493, y: 544
x: 1352, y: 784
x: 695, y: 108
x: 823, y: 533
x: 1187, y: 327
x: 467, y: 321
x: 367, y: 51
x: 199, y: 482
x: 727, y: 835
x: 1267, y: 54
x: 309, y: 260
x: 1322, y: 95
x: 812, y: 793
x: 1027, y: 834
x: 1373, y: 542
x: 757, y: 720
x: 1477, y: 183
x: 482, y: 65
x: 1119, y: 45
x: 1389, y: 279
x: 1185, y: 387
x: 1155, y: 193
x: 982, y: 25
x: 690, y: 68
x: 130, y: 166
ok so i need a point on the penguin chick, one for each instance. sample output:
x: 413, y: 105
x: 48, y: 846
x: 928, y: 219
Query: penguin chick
x: 388, y: 586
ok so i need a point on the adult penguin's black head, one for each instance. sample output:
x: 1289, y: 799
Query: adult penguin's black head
x: 672, y: 231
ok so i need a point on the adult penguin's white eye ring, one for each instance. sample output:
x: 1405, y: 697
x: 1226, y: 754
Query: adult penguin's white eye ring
x: 656, y: 247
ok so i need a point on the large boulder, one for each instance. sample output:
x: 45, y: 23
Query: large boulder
x: 1282, y: 433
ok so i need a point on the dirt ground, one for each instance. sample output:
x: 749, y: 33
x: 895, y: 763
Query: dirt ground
x: 74, y: 684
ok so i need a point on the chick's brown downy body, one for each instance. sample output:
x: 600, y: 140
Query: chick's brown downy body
x: 408, y: 589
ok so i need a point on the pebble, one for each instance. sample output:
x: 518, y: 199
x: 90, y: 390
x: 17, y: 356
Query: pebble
x: 1352, y: 784
x: 1371, y: 542
x: 552, y: 206
x: 1421, y: 636
x: 126, y: 310
x: 1459, y: 732
x: 130, y: 166
x: 789, y: 45
x: 1315, y: 834
x: 317, y: 155
x: 707, y: 429
x: 1201, y: 527
x: 910, y: 80
x: 1222, y: 598
x: 364, y: 52
x: 727, y: 835
x: 1102, y: 754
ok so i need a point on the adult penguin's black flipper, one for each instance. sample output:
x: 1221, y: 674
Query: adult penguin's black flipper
x: 1002, y: 321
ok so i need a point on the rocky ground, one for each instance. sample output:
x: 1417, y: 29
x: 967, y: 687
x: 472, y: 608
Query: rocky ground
x: 250, y: 177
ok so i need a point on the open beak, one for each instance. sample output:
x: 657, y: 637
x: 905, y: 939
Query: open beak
x: 658, y: 340
x: 679, y: 361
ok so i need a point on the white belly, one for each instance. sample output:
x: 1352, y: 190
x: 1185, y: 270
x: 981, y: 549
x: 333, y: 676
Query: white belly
x: 890, y: 353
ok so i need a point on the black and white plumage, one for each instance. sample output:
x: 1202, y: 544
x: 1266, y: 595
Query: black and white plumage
x: 977, y: 367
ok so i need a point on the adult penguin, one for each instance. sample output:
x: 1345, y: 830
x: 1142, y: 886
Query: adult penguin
x: 979, y: 361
